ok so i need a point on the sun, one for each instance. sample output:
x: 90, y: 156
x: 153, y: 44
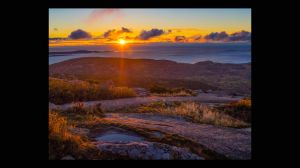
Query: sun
x: 122, y: 41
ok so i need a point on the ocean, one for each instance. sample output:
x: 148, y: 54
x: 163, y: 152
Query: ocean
x: 183, y: 53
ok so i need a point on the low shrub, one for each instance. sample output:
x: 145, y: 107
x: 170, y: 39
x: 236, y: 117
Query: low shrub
x: 64, y: 91
x: 160, y: 90
x: 240, y: 109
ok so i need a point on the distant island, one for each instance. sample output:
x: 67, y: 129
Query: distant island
x: 64, y: 53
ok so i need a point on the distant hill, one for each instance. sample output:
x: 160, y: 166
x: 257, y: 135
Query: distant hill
x: 52, y: 54
x: 233, y: 78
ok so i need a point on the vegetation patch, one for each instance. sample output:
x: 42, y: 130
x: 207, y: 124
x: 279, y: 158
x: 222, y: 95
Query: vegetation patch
x: 160, y: 90
x: 240, y: 109
x: 196, y: 112
x: 65, y: 91
x: 62, y: 142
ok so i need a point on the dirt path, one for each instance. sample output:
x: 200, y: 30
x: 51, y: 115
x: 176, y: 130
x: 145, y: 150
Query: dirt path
x: 230, y: 142
x: 120, y: 103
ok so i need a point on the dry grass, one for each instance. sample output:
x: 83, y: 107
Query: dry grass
x: 64, y: 91
x: 122, y: 92
x: 78, y: 113
x: 79, y: 108
x: 240, y: 109
x: 160, y: 90
x: 173, y: 94
x: 196, y: 112
x: 246, y: 103
x: 63, y: 142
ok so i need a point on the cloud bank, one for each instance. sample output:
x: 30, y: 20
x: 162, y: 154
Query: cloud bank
x: 168, y: 36
x: 224, y: 37
x: 180, y: 38
x: 215, y: 36
x: 240, y: 36
x: 145, y: 35
x: 79, y: 34
x: 114, y: 34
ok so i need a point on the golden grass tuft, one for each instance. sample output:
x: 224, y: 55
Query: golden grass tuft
x: 246, y: 103
x: 79, y: 113
x: 122, y: 92
x: 160, y: 90
x: 240, y: 109
x: 173, y: 94
x: 63, y: 142
x: 64, y: 91
x: 196, y: 112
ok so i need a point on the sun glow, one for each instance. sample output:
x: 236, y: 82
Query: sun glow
x: 122, y: 42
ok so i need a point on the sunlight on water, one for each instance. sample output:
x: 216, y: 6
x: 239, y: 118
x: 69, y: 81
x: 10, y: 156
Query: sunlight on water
x: 185, y: 53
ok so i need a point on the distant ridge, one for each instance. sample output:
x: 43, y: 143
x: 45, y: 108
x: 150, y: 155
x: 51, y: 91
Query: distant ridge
x: 75, y: 52
x: 235, y: 78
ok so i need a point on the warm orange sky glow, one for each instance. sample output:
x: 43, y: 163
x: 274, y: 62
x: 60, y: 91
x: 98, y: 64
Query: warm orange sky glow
x: 105, y: 26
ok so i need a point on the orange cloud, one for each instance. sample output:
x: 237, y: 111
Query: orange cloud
x: 153, y: 35
x: 114, y: 34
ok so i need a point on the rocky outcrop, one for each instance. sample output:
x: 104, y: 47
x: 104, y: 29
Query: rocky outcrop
x: 229, y: 142
x: 145, y: 151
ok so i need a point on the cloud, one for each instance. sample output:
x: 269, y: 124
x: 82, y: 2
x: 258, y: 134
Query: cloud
x: 145, y: 35
x: 79, y: 34
x: 109, y: 33
x: 215, y: 36
x: 128, y: 38
x: 125, y: 30
x: 55, y: 29
x: 99, y: 14
x: 197, y: 38
x: 240, y: 36
x: 180, y: 38
x: 113, y: 33
x: 224, y: 37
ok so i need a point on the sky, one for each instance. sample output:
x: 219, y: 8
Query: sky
x: 90, y: 26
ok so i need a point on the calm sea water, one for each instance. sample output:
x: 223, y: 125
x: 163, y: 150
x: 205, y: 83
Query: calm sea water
x: 185, y: 53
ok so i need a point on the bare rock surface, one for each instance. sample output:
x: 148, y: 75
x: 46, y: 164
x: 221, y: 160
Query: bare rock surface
x: 232, y: 143
x: 126, y: 102
x: 146, y: 151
